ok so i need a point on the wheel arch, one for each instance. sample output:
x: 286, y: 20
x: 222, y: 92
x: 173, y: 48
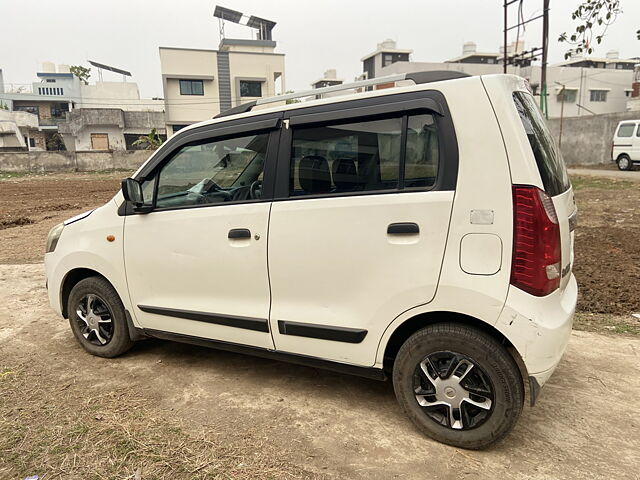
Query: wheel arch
x: 71, y: 279
x: 421, y: 320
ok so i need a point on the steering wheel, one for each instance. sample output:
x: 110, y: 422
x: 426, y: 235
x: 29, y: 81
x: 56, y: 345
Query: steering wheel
x: 255, y: 190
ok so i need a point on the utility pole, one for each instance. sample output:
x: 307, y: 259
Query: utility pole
x: 545, y: 48
x: 518, y: 58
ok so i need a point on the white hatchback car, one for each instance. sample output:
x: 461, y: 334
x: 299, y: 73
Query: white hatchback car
x: 421, y: 233
x: 625, y: 148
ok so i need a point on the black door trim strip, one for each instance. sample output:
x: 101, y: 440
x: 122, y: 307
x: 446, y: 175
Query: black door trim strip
x: 315, y: 362
x: 248, y: 323
x: 323, y: 332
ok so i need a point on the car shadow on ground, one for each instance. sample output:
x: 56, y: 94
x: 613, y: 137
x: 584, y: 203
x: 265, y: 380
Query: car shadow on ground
x: 195, y: 362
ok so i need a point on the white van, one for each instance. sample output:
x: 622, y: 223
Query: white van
x: 421, y: 233
x: 625, y: 148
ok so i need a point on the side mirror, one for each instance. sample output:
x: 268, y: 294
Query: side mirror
x: 132, y: 192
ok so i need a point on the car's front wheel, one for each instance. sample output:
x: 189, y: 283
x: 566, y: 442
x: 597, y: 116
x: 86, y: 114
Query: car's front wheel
x: 98, y: 319
x: 458, y: 385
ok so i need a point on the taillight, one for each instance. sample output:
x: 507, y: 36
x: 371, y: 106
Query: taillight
x: 536, y: 262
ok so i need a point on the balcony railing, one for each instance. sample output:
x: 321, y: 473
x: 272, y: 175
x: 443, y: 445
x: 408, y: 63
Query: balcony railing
x: 52, y: 121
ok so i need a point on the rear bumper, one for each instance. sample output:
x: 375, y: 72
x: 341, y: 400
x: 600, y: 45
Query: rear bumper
x: 539, y: 328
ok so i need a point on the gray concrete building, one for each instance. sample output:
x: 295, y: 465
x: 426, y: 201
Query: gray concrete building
x: 580, y: 86
x: 58, y: 93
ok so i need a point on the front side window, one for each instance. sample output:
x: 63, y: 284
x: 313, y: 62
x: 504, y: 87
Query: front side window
x: 598, y: 95
x: 626, y: 130
x: 250, y: 88
x: 213, y: 172
x: 547, y: 155
x: 191, y: 87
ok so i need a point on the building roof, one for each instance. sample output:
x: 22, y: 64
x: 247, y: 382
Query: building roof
x: 597, y: 60
x: 472, y: 54
x: 382, y: 49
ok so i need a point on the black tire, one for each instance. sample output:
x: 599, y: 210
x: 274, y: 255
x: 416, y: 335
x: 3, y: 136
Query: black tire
x: 108, y: 300
x: 624, y: 163
x: 496, y: 366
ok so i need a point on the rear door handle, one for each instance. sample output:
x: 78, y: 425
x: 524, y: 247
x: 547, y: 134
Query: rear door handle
x: 403, y: 228
x: 236, y: 233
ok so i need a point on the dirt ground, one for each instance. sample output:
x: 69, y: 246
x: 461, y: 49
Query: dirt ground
x: 607, y: 263
x: 175, y: 411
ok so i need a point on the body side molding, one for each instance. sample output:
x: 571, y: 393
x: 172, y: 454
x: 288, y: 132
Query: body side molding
x: 248, y: 323
x: 323, y: 332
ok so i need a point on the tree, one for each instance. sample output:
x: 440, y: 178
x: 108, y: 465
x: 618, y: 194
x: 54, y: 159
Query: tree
x: 594, y: 18
x: 81, y: 72
x: 150, y: 142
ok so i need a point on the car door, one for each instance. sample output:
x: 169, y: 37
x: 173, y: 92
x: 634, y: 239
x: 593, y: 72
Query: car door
x: 196, y: 264
x: 359, y: 231
x: 635, y: 156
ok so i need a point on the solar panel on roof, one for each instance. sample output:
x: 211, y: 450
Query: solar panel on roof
x: 111, y: 69
x: 227, y: 14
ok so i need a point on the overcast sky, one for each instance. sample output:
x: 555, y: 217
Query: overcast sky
x: 314, y: 35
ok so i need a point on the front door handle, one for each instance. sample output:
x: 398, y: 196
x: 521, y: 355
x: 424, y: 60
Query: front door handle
x: 403, y: 228
x: 236, y: 233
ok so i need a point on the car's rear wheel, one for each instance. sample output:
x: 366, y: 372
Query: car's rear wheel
x: 98, y: 319
x: 625, y: 163
x: 458, y: 385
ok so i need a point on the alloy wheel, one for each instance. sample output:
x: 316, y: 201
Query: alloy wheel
x: 453, y: 390
x: 95, y: 320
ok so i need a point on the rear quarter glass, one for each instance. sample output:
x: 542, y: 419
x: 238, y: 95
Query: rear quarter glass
x: 545, y: 151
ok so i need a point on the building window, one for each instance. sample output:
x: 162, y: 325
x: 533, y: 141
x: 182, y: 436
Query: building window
x: 569, y: 96
x: 598, y: 95
x: 627, y: 93
x: 26, y: 108
x: 191, y: 87
x: 32, y: 143
x: 250, y: 88
x: 177, y: 128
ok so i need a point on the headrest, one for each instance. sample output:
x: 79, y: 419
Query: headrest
x: 345, y: 175
x: 314, y: 175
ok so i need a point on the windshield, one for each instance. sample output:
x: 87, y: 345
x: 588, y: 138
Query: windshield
x: 548, y: 157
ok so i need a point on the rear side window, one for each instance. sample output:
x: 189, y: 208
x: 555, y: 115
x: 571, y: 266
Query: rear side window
x: 548, y: 157
x: 348, y: 157
x: 626, y: 130
x: 365, y: 156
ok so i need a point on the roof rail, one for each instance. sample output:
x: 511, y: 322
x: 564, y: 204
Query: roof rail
x: 417, y: 77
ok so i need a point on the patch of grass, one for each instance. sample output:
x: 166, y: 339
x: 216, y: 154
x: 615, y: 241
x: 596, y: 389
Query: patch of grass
x: 599, y: 183
x: 607, y: 323
x: 89, y: 432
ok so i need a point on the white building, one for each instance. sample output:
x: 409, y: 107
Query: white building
x: 58, y: 92
x: 198, y: 84
x: 591, y: 85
